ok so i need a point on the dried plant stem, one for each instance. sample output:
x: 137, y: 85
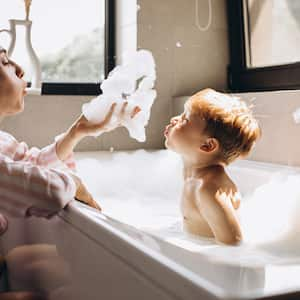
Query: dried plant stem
x: 27, y: 8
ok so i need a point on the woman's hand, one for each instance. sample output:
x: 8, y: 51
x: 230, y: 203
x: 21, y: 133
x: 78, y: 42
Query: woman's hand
x: 82, y: 194
x: 84, y: 128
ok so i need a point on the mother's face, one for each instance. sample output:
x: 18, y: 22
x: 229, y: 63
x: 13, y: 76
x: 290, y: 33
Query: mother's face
x: 12, y: 86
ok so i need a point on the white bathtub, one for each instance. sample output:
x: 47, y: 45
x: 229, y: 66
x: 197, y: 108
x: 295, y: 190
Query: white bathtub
x: 136, y: 249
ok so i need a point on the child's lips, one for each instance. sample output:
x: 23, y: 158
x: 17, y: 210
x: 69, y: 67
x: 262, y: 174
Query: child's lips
x: 167, y: 130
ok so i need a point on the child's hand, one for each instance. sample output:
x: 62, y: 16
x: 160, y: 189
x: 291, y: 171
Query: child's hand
x: 82, y: 194
x: 85, y: 128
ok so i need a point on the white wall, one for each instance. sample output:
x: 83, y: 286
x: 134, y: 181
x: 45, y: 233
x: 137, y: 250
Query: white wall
x: 201, y: 61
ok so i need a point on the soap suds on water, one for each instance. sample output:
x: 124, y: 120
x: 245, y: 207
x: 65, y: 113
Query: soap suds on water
x: 133, y: 82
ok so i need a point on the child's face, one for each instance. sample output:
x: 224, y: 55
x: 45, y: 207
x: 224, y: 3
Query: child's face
x: 12, y: 86
x: 185, y: 133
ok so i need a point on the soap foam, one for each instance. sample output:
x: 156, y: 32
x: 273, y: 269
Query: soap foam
x: 133, y: 81
x: 148, y: 198
x: 269, y: 213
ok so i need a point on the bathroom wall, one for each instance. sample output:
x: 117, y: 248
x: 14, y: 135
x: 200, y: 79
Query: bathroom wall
x: 280, y: 134
x: 187, y: 60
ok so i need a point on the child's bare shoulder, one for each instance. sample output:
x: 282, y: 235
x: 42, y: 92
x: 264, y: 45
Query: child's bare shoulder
x: 219, y: 188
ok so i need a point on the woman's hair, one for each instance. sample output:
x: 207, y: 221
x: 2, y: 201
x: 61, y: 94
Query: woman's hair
x: 229, y: 120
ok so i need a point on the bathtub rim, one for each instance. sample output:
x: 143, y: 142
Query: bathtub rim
x: 115, y: 238
x: 77, y: 214
x: 193, y: 279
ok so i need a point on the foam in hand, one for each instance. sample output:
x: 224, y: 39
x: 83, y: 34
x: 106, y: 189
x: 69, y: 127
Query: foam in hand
x: 133, y: 81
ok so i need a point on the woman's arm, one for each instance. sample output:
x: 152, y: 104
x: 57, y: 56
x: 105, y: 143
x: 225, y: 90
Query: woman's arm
x: 19, y: 151
x: 27, y: 189
x: 82, y: 128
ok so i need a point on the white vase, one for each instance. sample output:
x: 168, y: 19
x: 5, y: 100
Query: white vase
x: 29, y: 60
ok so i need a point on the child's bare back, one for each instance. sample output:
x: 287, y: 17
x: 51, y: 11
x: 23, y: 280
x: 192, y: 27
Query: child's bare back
x: 208, y: 205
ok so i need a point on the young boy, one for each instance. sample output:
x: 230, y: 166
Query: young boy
x: 213, y: 131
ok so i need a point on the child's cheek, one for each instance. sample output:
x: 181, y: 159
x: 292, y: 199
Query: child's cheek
x: 181, y: 128
x: 179, y: 133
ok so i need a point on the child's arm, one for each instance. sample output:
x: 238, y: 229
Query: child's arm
x: 217, y: 210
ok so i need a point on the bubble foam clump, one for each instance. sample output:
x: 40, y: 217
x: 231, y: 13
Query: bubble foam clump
x: 273, y: 210
x: 133, y: 81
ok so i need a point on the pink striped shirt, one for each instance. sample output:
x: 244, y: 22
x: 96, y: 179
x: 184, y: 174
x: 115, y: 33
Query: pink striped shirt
x: 32, y: 180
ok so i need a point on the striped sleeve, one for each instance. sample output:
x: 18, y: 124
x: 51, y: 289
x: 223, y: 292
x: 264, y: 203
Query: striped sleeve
x: 28, y: 189
x: 47, y: 156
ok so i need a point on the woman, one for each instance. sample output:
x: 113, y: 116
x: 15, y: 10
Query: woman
x: 31, y: 182
x: 38, y: 182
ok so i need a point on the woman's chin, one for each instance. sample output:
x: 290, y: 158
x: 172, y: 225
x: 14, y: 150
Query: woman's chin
x: 21, y: 106
x: 18, y: 109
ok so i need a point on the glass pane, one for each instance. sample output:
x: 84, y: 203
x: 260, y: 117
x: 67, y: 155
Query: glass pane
x: 273, y: 30
x: 67, y: 36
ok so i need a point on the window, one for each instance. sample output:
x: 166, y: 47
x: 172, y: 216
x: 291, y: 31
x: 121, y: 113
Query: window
x: 74, y: 41
x: 264, y: 44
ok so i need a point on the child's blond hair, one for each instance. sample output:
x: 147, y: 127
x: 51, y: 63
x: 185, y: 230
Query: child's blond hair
x: 229, y: 120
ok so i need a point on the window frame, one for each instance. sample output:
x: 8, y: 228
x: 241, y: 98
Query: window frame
x: 244, y: 79
x: 80, y: 88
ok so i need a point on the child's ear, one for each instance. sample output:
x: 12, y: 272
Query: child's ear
x: 210, y: 145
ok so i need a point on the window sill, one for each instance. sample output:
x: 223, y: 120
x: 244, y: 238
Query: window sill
x: 34, y: 91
